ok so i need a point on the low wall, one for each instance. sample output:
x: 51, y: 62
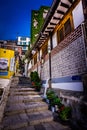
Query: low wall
x: 5, y: 85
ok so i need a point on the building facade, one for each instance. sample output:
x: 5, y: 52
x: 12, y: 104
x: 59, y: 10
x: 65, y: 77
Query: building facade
x: 60, y: 51
x: 24, y: 43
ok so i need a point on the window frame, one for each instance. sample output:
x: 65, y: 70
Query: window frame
x: 61, y: 25
x: 35, y: 59
x: 44, y: 49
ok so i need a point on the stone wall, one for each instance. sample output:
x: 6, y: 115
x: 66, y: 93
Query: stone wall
x: 5, y: 85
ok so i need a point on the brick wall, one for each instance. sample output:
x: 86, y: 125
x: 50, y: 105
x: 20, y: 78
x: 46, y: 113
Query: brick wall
x: 68, y: 58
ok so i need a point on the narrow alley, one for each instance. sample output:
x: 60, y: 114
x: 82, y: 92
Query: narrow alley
x: 26, y: 110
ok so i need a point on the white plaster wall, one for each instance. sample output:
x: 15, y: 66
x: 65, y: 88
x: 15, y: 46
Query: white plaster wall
x: 78, y: 16
x: 54, y: 40
x: 73, y: 86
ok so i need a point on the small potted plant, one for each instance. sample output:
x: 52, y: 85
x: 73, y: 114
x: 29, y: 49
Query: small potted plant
x: 56, y: 102
x: 65, y: 113
x: 37, y: 86
x: 36, y: 81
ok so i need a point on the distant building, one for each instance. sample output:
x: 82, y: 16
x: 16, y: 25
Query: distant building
x: 24, y: 43
x: 11, y: 45
x: 8, y: 44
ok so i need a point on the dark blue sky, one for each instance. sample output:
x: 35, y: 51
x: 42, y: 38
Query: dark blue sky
x: 15, y: 17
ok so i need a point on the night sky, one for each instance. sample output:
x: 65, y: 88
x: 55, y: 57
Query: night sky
x: 15, y: 17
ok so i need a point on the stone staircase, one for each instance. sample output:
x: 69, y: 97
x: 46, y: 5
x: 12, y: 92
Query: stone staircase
x: 24, y: 108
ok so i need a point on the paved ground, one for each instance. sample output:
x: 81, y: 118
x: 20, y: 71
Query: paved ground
x: 25, y: 109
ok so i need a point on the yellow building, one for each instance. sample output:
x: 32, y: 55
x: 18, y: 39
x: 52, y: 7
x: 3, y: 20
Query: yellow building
x: 6, y: 63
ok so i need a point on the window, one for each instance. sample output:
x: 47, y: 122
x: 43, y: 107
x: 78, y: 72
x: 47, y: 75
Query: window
x: 67, y: 27
x: 35, y: 59
x: 61, y: 35
x: 45, y: 50
x: 23, y: 38
x: 24, y: 47
x: 24, y: 43
x: 20, y: 43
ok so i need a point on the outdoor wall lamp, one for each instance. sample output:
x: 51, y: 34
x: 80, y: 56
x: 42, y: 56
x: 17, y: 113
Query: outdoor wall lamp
x: 33, y: 52
x: 42, y: 61
x: 49, y: 49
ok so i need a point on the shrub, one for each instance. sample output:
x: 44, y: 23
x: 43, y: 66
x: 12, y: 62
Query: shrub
x: 50, y: 94
x: 56, y: 101
x: 65, y: 112
x: 36, y: 81
x: 34, y: 77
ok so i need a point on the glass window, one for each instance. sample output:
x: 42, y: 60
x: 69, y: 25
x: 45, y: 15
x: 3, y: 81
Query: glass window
x: 35, y: 59
x: 20, y: 43
x: 24, y: 43
x: 60, y: 35
x: 45, y: 50
x: 23, y: 38
x: 67, y: 27
x: 24, y: 47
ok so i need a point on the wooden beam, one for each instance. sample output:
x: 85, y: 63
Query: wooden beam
x: 70, y: 1
x: 56, y: 18
x: 50, y: 27
x: 64, y: 5
x: 47, y: 31
x: 45, y: 35
x: 53, y: 23
x: 60, y: 12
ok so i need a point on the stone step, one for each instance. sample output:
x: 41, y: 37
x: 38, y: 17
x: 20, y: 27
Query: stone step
x: 46, y: 126
x: 21, y: 89
x: 24, y: 120
x: 24, y: 99
x: 25, y: 107
x: 24, y: 93
x: 17, y: 85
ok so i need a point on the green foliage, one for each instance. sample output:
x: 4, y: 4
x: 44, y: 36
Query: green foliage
x: 50, y: 94
x: 36, y: 81
x: 65, y: 113
x: 37, y: 86
x: 34, y: 77
x: 54, y: 100
x: 38, y: 16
